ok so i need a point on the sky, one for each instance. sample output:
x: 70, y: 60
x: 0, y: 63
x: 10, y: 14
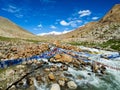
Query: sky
x: 54, y: 16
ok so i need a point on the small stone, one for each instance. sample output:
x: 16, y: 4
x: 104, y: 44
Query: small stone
x: 68, y: 74
x: 38, y: 78
x: 89, y: 73
x: 72, y: 85
x: 79, y: 77
x: 1, y: 88
x: 55, y: 87
x: 20, y: 66
x: 52, y: 60
x: 95, y: 68
x: 53, y: 69
x: 10, y: 72
x: 29, y: 81
x: 13, y: 49
x: 51, y: 76
x: 47, y: 69
x: 63, y: 79
x: 76, y: 65
x: 102, y: 71
x: 64, y: 67
x: 12, y: 88
x: 20, y: 83
x: 61, y: 83
x: 103, y: 67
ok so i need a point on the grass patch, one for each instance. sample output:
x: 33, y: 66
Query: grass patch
x: 82, y: 43
x: 110, y: 44
x: 18, y: 39
x: 7, y: 39
x: 34, y: 41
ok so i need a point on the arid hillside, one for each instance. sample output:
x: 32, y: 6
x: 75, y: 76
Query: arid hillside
x: 10, y: 29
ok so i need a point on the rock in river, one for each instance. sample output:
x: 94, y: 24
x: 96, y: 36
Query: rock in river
x: 64, y: 58
x: 61, y: 83
x: 51, y: 76
x: 72, y: 85
x: 55, y: 87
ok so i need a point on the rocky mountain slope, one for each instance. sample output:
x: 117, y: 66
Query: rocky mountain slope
x: 105, y: 29
x: 10, y: 29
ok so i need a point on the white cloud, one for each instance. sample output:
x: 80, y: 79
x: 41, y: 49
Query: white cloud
x: 73, y: 23
x: 64, y: 23
x: 14, y: 10
x: 40, y: 26
x: 83, y: 13
x: 53, y: 27
x: 53, y: 33
x: 11, y: 9
x: 95, y: 18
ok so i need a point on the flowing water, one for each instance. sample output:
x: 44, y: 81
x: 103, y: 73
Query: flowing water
x: 110, y: 81
x: 89, y: 80
x: 94, y: 81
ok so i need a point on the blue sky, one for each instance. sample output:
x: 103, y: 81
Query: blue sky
x: 45, y: 16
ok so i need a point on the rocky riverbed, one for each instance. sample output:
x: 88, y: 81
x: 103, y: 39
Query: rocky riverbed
x: 63, y: 67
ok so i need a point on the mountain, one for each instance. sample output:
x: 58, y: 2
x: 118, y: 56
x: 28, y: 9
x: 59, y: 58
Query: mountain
x: 53, y: 33
x: 105, y: 29
x: 112, y: 16
x: 10, y: 29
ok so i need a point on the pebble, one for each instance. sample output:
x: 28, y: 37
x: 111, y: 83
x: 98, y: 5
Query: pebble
x: 51, y: 76
x: 55, y: 87
x: 72, y: 85
x: 61, y: 83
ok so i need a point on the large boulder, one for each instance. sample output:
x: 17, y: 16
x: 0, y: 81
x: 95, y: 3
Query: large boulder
x: 72, y: 85
x: 55, y: 87
x: 57, y: 56
x: 64, y: 58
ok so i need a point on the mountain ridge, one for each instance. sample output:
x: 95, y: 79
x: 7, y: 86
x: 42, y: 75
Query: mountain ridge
x: 10, y: 29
